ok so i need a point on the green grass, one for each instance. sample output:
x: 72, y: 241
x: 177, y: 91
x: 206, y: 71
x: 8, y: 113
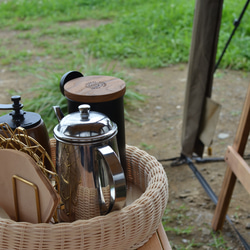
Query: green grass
x: 47, y: 38
x: 177, y: 223
x: 142, y: 33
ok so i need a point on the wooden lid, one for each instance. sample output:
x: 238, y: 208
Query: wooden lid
x: 94, y: 89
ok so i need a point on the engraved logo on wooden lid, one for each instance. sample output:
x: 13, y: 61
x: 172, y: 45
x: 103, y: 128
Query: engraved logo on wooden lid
x: 95, y: 84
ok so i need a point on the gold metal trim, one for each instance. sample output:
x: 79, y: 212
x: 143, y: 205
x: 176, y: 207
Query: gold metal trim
x: 34, y: 186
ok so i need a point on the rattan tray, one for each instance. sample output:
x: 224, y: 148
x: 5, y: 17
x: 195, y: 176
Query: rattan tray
x: 128, y: 228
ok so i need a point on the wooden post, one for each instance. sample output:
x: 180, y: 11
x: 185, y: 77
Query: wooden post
x: 237, y: 167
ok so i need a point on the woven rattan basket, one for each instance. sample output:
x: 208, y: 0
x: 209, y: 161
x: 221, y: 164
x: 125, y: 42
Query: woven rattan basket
x: 128, y: 228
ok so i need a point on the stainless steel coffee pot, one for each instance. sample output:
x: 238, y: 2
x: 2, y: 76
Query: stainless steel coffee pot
x: 92, y: 181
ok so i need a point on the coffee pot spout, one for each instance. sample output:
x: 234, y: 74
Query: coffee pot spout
x: 58, y: 112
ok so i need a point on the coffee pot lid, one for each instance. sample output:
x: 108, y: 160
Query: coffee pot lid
x: 85, y: 126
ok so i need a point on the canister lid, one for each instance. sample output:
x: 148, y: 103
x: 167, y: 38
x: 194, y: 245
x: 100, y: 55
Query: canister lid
x: 94, y: 89
x: 85, y: 126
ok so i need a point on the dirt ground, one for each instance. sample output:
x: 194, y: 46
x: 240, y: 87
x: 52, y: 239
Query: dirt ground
x: 157, y: 129
x: 160, y: 135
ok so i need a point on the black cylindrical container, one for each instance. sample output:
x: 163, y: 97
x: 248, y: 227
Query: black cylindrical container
x: 104, y: 94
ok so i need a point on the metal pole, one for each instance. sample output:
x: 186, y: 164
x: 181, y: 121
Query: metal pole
x: 236, y: 25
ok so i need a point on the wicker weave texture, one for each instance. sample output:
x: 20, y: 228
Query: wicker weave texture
x: 128, y: 228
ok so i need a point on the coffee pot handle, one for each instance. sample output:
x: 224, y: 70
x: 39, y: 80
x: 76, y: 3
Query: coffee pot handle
x: 116, y: 179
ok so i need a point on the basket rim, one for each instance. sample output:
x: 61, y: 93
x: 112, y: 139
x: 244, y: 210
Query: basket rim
x: 151, y: 203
